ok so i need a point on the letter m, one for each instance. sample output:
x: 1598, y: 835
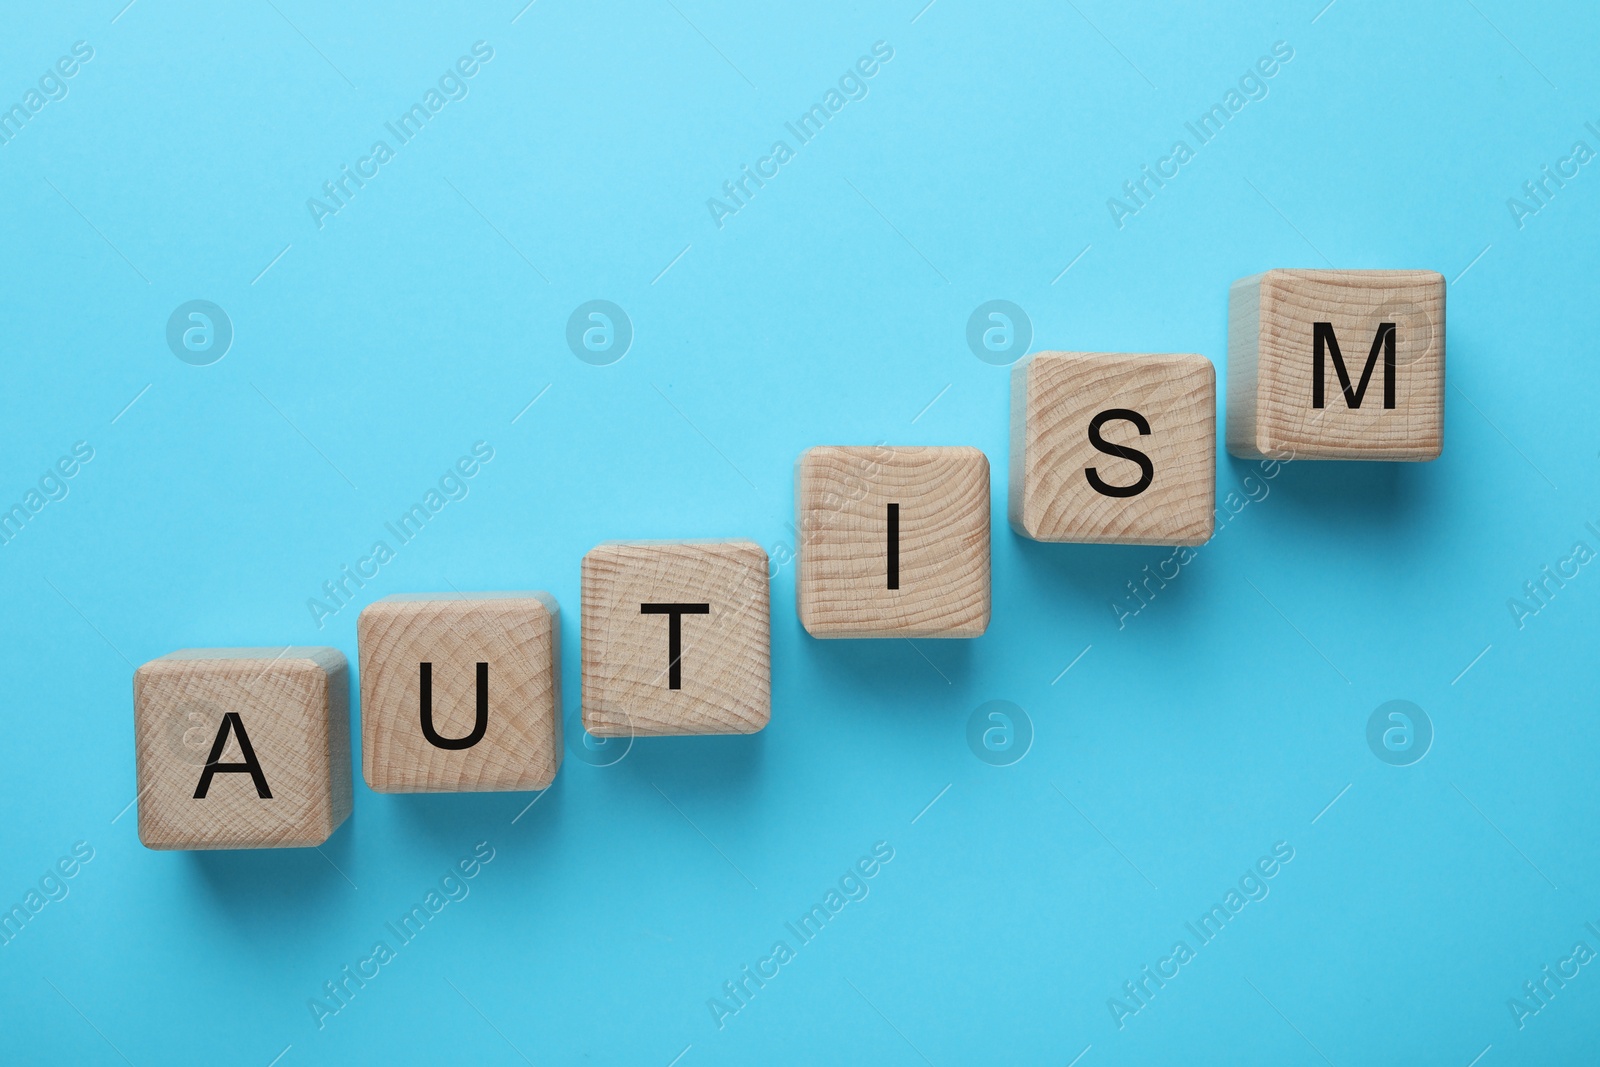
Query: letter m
x: 1323, y: 340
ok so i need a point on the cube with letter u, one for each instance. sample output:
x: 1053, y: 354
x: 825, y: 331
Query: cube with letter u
x: 460, y: 692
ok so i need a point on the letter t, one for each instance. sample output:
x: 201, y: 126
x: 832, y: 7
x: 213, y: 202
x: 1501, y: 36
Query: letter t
x: 675, y: 614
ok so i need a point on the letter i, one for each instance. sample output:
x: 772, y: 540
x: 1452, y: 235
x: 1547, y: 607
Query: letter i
x: 893, y: 546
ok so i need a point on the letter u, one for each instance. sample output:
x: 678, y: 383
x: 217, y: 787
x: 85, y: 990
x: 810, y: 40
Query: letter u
x: 480, y: 721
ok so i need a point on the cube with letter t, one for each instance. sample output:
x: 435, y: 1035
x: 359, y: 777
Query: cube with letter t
x: 1336, y: 364
x: 242, y: 747
x: 677, y: 638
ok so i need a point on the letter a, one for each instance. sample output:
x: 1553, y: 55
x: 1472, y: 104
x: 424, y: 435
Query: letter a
x: 250, y: 766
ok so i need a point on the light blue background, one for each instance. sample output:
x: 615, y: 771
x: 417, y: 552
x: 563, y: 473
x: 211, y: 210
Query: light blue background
x: 1221, y: 720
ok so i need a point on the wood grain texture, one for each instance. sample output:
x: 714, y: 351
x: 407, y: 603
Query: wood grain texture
x: 1055, y: 396
x: 294, y: 704
x: 517, y: 634
x: 1271, y: 365
x: 725, y: 665
x: 842, y: 495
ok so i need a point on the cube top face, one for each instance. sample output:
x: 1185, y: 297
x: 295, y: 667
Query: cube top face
x: 425, y: 726
x: 1337, y: 364
x: 1113, y: 448
x: 677, y: 638
x: 894, y: 541
x: 282, y: 775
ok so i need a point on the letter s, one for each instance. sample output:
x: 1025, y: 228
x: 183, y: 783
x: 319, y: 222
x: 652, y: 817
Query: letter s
x: 883, y: 50
x: 1147, y: 469
x: 83, y: 50
x: 483, y: 50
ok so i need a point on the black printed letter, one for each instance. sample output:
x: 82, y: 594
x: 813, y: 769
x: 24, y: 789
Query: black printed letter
x: 250, y: 766
x: 1322, y: 337
x: 1147, y: 468
x: 675, y: 614
x: 480, y: 721
x: 894, y: 546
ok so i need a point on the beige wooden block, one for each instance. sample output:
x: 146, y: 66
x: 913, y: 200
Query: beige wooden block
x: 242, y: 747
x: 677, y: 638
x: 1113, y: 448
x: 894, y: 541
x: 1336, y: 364
x: 460, y: 692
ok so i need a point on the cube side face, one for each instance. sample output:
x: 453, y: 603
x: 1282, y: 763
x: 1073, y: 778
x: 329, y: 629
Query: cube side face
x: 288, y: 710
x: 516, y: 637
x: 803, y: 490
x: 715, y: 596
x: 336, y: 752
x: 1121, y: 449
x: 1373, y: 406
x: 1244, y: 347
x: 930, y: 578
x: 1016, y: 499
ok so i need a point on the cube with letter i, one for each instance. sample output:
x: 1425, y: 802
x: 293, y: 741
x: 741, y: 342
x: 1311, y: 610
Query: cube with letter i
x: 1336, y: 364
x: 460, y: 692
x: 1113, y: 448
x: 677, y: 638
x: 242, y: 747
x: 893, y: 541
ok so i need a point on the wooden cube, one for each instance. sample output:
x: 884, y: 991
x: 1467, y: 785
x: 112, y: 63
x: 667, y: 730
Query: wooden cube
x: 242, y: 747
x: 1113, y: 448
x: 894, y: 541
x: 1336, y: 364
x: 460, y: 692
x: 677, y: 638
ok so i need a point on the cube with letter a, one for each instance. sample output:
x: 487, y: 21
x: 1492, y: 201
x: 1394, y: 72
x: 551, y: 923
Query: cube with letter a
x: 1336, y: 364
x: 893, y: 541
x: 677, y: 638
x: 242, y: 747
x: 1109, y: 447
